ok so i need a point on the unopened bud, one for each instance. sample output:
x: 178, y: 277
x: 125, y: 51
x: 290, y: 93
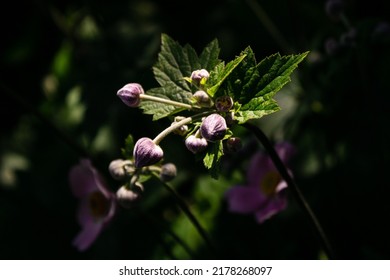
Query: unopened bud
x: 146, y: 152
x: 130, y: 94
x: 199, y: 77
x: 202, y: 99
x: 128, y: 197
x: 182, y: 130
x: 213, y: 128
x: 168, y: 172
x: 121, y: 169
x: 224, y: 103
x: 196, y: 144
x: 232, y: 145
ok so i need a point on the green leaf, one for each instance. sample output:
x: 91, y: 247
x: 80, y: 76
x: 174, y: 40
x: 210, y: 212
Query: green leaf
x: 173, y: 65
x: 127, y: 150
x: 209, y: 57
x: 269, y: 76
x: 220, y: 73
x: 257, y: 108
x: 213, y: 157
x: 169, y: 91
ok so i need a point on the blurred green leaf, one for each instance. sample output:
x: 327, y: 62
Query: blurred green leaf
x: 127, y: 150
x: 213, y: 158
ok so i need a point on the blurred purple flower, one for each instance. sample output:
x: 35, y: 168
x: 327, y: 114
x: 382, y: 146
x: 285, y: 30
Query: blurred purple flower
x: 264, y: 195
x: 97, y: 204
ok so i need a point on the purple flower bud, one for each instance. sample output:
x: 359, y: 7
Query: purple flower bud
x: 182, y: 130
x: 213, y: 128
x: 232, y: 145
x: 195, y: 144
x: 202, y: 99
x: 198, y: 75
x: 121, y: 169
x: 146, y: 152
x: 224, y: 103
x: 168, y: 172
x: 130, y: 94
x: 128, y: 197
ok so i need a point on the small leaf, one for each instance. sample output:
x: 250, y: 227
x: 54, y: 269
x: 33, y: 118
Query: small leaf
x: 127, y: 150
x: 256, y: 108
x: 213, y: 157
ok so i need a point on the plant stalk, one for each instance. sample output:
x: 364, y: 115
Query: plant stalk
x: 263, y: 139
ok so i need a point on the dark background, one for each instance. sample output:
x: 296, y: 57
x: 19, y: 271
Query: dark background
x: 62, y: 63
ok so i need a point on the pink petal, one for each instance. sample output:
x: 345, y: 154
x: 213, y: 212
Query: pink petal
x: 112, y: 211
x: 82, y: 179
x: 242, y: 199
x: 273, y: 206
x: 84, y: 213
x: 87, y: 236
x: 259, y: 165
x: 285, y: 151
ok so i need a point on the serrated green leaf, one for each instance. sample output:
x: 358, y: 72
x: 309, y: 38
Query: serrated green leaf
x: 212, y: 159
x: 209, y: 57
x: 169, y: 91
x: 220, y: 73
x: 269, y: 76
x: 175, y: 62
x: 256, y: 108
x: 173, y: 65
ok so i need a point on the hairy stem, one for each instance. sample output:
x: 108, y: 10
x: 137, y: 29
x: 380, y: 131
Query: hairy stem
x: 175, y: 126
x: 165, y: 101
x: 292, y: 186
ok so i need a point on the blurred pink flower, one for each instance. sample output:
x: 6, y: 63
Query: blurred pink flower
x: 97, y: 204
x: 264, y: 194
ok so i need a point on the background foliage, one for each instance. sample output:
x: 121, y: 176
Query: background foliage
x: 67, y: 60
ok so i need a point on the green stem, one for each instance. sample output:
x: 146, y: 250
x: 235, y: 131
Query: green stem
x: 166, y: 101
x: 184, y: 207
x: 292, y: 186
x: 175, y: 126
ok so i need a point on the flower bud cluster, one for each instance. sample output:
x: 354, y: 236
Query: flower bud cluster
x: 147, y: 154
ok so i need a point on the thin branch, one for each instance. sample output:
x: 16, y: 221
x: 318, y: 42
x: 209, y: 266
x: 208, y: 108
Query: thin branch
x: 293, y: 187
